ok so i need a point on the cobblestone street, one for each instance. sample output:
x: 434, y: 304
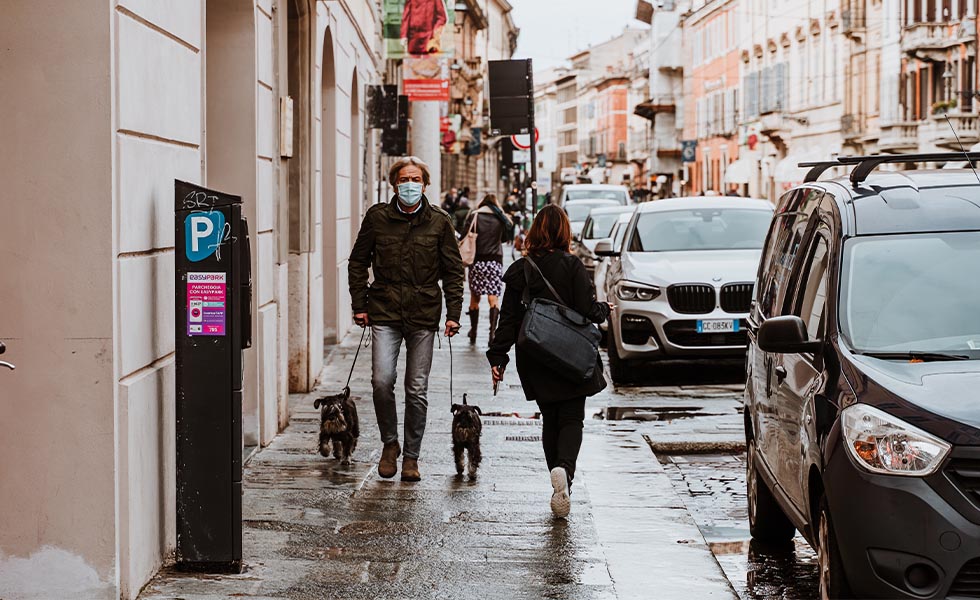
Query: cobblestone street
x: 315, y: 529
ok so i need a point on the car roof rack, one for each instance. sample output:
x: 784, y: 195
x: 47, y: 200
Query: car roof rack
x: 865, y: 165
x: 817, y: 169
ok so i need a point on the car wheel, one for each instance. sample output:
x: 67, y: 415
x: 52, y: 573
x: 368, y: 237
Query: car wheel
x: 619, y: 369
x: 767, y: 521
x: 833, y: 582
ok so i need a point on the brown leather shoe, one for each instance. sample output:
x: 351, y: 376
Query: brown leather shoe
x: 410, y: 470
x: 388, y: 465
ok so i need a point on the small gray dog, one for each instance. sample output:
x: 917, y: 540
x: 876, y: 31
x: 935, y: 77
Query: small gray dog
x: 467, y: 429
x: 339, y: 426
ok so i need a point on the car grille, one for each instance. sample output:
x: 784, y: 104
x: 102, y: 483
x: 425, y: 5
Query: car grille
x: 964, y: 473
x: 691, y: 299
x: 736, y: 297
x: 685, y: 333
x: 967, y: 582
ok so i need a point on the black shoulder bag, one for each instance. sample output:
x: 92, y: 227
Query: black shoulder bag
x: 556, y: 335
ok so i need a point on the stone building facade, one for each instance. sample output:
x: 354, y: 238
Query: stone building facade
x: 116, y: 100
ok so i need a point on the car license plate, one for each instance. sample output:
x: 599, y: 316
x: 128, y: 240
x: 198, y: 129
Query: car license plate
x: 718, y: 326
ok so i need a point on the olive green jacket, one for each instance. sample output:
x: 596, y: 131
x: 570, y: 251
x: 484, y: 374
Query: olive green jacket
x: 408, y: 256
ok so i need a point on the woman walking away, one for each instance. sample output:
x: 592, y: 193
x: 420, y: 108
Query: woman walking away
x: 560, y: 399
x: 493, y: 228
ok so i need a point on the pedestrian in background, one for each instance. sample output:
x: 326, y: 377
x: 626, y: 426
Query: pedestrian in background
x: 560, y: 400
x: 449, y: 201
x: 410, y: 246
x: 493, y: 228
x: 462, y: 210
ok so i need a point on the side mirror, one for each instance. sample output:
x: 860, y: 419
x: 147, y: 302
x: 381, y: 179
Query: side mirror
x: 605, y: 248
x: 787, y: 335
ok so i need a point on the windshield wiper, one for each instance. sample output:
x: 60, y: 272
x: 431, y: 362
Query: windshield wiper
x: 916, y: 356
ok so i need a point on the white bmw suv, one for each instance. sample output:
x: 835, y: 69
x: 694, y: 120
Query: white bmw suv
x: 683, y: 285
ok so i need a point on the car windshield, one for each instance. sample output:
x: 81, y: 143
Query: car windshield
x: 700, y: 229
x: 617, y: 195
x: 579, y: 211
x: 912, y: 293
x: 600, y: 226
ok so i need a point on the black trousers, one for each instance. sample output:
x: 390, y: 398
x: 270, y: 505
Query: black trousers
x: 561, y: 432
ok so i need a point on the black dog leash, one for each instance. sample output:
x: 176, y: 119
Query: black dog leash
x: 356, y: 354
x: 451, y: 377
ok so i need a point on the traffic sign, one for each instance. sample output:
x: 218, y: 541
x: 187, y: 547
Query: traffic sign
x: 523, y: 142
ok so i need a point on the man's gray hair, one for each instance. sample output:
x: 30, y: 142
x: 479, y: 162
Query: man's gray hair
x: 408, y: 161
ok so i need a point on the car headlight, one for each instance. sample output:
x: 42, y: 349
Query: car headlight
x: 882, y: 443
x: 630, y: 291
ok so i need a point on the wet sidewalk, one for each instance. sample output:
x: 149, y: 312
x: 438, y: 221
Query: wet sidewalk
x: 315, y: 529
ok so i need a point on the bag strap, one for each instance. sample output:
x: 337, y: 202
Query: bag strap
x: 527, y: 287
x: 476, y: 217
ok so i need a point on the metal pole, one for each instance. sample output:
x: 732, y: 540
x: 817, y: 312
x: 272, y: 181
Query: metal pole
x: 531, y: 137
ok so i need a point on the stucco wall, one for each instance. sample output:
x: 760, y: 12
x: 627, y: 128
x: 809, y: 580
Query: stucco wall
x: 157, y: 132
x: 58, y: 524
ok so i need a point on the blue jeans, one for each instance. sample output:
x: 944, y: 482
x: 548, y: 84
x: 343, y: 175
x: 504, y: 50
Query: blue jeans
x: 386, y: 343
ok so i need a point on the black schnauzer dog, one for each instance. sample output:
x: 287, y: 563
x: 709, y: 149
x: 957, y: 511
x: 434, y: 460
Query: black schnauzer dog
x: 339, y: 426
x: 467, y: 429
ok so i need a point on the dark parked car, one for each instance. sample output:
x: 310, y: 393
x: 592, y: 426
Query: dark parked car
x: 862, y: 426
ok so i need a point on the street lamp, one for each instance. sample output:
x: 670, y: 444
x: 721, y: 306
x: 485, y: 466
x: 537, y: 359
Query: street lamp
x: 948, y: 80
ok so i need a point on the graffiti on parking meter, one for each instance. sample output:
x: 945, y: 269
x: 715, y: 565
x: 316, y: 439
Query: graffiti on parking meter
x: 206, y: 294
x: 204, y: 233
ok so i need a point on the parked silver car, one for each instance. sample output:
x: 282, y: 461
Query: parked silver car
x: 683, y: 282
x: 578, y: 211
x: 593, y: 191
x: 598, y: 226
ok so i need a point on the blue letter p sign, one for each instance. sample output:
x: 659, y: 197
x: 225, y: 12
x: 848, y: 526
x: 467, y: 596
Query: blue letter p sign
x: 202, y: 234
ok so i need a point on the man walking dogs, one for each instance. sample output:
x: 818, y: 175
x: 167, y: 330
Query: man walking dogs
x: 409, y: 245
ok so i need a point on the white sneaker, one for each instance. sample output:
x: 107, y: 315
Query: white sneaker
x: 561, y: 504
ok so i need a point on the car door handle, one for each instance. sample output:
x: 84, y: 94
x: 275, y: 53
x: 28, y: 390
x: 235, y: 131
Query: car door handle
x: 780, y: 373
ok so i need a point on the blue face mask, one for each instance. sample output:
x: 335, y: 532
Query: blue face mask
x: 410, y: 193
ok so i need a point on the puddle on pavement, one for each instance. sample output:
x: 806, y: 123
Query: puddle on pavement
x: 651, y: 413
x: 761, y: 571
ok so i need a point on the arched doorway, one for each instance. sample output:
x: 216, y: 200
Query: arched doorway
x: 328, y: 190
x: 297, y: 185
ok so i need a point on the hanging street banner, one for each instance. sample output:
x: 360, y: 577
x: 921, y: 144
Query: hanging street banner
x: 418, y: 28
x: 426, y: 79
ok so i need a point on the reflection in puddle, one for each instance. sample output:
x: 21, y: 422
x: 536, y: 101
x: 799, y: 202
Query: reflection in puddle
x: 764, y: 571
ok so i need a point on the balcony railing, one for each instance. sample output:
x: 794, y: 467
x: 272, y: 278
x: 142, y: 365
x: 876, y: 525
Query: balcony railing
x: 852, y: 21
x: 966, y: 126
x: 923, y: 37
x: 899, y: 136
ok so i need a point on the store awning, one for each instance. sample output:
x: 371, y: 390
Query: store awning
x: 739, y: 171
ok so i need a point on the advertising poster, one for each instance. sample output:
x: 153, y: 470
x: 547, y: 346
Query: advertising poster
x: 426, y: 78
x: 418, y: 28
x: 206, y: 303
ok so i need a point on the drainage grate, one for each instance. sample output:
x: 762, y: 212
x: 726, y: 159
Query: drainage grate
x: 524, y: 422
x: 523, y: 438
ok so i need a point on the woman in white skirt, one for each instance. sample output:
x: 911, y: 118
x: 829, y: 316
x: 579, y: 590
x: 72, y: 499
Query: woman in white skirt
x: 493, y: 228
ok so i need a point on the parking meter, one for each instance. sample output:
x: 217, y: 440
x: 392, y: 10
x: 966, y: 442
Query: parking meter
x: 213, y: 326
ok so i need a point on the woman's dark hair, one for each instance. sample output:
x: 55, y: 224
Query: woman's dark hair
x: 489, y: 200
x: 465, y: 191
x: 550, y: 230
